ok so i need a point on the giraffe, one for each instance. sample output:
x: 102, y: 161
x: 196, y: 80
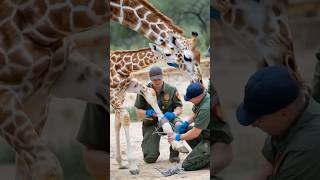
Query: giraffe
x: 261, y: 28
x: 142, y: 17
x: 35, y: 64
x: 122, y: 64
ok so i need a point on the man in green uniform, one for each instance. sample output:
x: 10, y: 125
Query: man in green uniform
x: 170, y: 104
x: 198, y: 137
x: 93, y: 135
x: 275, y: 103
x: 220, y: 136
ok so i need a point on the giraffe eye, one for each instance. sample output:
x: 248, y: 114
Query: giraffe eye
x: 168, y: 55
x: 172, y: 48
x: 187, y: 59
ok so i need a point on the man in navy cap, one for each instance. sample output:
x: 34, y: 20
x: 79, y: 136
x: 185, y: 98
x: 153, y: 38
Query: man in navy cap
x: 275, y: 103
x: 198, y: 137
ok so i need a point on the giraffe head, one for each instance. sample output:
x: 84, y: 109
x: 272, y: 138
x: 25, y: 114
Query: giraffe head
x: 261, y: 27
x: 188, y: 55
x: 163, y: 50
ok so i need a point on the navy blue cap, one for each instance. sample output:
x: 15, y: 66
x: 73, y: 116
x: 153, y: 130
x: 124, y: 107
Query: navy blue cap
x: 267, y: 91
x: 193, y: 90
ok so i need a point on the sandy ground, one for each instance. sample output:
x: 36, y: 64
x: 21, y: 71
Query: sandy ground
x: 147, y: 171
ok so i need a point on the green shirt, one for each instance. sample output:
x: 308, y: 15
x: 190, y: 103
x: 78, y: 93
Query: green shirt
x: 202, y: 118
x: 296, y: 155
x: 168, y: 99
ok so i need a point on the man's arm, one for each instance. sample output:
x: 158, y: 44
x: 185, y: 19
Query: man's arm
x: 264, y: 170
x: 192, y: 134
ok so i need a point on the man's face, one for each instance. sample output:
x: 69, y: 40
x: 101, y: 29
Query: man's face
x: 273, y: 124
x: 157, y: 83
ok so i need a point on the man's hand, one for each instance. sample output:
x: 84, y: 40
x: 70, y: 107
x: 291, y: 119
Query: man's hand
x: 182, y: 127
x: 150, y: 113
x: 169, y: 115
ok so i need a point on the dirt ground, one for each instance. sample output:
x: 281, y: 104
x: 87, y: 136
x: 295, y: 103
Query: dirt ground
x: 147, y: 171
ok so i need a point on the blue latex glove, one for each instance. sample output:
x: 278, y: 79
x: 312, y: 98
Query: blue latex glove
x: 169, y: 115
x: 150, y: 113
x: 181, y: 128
x: 178, y: 137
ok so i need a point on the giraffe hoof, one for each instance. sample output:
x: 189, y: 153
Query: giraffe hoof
x: 134, y: 172
x: 123, y: 167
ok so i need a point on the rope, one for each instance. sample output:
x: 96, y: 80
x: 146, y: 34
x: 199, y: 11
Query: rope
x: 171, y: 171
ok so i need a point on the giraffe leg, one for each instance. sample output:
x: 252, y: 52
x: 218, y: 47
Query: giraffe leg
x: 117, y: 125
x: 84, y: 80
x: 36, y: 107
x: 124, y: 117
x: 150, y: 95
x: 19, y: 132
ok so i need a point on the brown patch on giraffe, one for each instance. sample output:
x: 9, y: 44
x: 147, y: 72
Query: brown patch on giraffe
x: 155, y: 28
x: 135, y: 67
x: 10, y: 128
x: 99, y: 7
x: 276, y: 10
x: 128, y: 67
x: 40, y: 66
x: 141, y: 12
x: 14, y: 76
x: 4, y: 115
x: 20, y: 20
x: 127, y: 59
x: 82, y: 20
x: 144, y: 27
x: 163, y: 34
x: 252, y: 30
x: 115, y: 12
x: 18, y: 58
x: 239, y: 21
x: 141, y: 63
x: 5, y: 10
x: 41, y: 8
x: 228, y: 16
x: 2, y: 59
x: 161, y: 26
x: 44, y: 28
x: 9, y: 36
x: 130, y: 17
x: 135, y: 60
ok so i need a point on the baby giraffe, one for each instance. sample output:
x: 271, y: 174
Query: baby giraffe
x: 122, y: 64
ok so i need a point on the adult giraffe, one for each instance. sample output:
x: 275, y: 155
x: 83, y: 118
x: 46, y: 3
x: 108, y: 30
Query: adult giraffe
x: 261, y: 27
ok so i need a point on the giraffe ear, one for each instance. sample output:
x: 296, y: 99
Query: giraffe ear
x: 194, y: 34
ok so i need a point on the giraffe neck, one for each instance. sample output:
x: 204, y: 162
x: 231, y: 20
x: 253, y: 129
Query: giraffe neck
x: 141, y: 16
x: 126, y: 62
x: 49, y: 21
